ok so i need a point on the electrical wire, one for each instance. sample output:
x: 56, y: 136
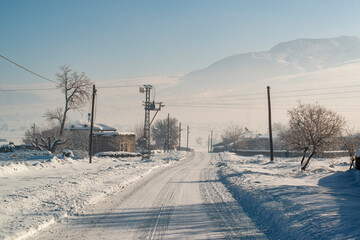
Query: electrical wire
x: 47, y: 79
x: 28, y: 89
x: 288, y: 97
x: 275, y: 92
x: 118, y: 86
x: 50, y: 89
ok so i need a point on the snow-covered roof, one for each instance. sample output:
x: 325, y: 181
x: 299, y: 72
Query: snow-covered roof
x: 247, y: 134
x: 98, y: 127
x: 116, y: 133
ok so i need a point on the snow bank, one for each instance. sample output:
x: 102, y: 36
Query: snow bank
x: 321, y: 203
x: 37, y: 193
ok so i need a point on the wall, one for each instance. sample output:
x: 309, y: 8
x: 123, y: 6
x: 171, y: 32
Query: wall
x: 113, y: 142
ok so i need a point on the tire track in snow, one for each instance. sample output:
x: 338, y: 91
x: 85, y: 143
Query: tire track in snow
x: 225, y: 213
x: 157, y: 220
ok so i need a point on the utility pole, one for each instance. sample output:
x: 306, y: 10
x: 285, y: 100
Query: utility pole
x: 147, y: 119
x: 168, y: 133
x: 180, y: 129
x: 187, y: 139
x: 208, y: 143
x: 92, y: 125
x: 270, y: 129
x: 148, y: 106
x: 211, y: 141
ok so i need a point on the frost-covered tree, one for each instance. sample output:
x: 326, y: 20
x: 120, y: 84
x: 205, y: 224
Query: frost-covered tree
x: 351, y: 142
x: 312, y: 129
x: 32, y: 136
x: 39, y: 137
x: 232, y: 136
x: 77, y: 92
x: 159, y: 133
x: 138, y: 129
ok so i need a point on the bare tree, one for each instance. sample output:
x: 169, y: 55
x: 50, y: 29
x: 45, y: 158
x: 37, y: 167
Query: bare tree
x: 312, y: 129
x: 351, y: 142
x: 138, y: 129
x: 278, y: 130
x: 32, y: 136
x: 76, y: 140
x: 232, y: 136
x: 159, y: 133
x: 39, y: 137
x: 77, y: 92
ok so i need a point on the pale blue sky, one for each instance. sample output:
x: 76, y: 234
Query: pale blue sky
x: 120, y: 39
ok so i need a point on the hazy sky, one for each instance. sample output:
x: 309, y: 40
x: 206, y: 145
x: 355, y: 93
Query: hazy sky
x: 120, y: 39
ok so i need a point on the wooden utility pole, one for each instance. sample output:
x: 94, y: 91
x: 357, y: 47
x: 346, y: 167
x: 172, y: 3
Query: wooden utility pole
x: 187, y: 139
x: 270, y: 129
x: 92, y: 125
x: 168, y: 133
x: 180, y: 136
x: 208, y: 143
x: 211, y: 141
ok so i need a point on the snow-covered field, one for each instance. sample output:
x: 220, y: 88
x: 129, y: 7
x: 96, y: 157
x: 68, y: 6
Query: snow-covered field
x: 38, y: 189
x: 286, y: 203
x: 276, y: 199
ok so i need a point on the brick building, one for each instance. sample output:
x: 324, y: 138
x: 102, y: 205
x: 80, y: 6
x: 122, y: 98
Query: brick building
x: 113, y: 142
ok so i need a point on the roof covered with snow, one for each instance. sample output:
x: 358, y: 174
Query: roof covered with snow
x: 98, y: 127
x: 116, y: 133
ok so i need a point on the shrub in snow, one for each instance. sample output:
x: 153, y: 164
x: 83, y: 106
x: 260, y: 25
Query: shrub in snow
x: 312, y: 129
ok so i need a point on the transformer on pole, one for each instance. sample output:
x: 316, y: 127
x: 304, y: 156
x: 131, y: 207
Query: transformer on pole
x: 148, y: 106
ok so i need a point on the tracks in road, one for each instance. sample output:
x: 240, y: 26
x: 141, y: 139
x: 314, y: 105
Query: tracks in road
x: 183, y: 201
x: 225, y: 213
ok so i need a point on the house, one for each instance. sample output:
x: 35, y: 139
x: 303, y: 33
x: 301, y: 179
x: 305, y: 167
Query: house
x: 247, y: 140
x: 105, y: 138
x: 113, y: 142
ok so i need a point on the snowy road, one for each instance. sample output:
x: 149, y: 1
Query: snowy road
x: 182, y: 201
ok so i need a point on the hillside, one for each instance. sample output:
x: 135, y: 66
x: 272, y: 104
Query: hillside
x: 293, y: 57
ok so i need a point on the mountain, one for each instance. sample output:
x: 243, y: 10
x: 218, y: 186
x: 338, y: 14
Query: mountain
x: 293, y: 57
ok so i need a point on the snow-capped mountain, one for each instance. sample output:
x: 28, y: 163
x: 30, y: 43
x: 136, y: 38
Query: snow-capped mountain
x: 293, y: 57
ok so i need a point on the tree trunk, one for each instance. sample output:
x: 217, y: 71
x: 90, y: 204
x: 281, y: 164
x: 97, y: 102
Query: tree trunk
x: 303, y: 157
x: 61, y: 131
x: 352, y: 162
x: 307, y: 161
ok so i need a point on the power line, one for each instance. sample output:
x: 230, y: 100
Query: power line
x: 119, y: 86
x: 250, y: 96
x: 27, y: 89
x: 286, y: 97
x: 49, y: 89
x: 47, y: 79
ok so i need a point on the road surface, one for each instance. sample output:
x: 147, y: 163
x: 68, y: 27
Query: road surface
x: 182, y: 201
